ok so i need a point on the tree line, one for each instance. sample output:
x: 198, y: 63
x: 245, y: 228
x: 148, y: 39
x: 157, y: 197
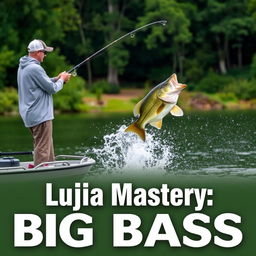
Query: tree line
x: 202, y: 38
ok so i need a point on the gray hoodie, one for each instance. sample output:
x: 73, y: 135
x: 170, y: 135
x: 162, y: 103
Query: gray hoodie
x: 35, y: 92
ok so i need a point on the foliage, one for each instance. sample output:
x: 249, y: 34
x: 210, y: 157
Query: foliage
x: 228, y: 25
x: 242, y: 88
x: 115, y: 105
x: 54, y: 63
x: 199, y: 36
x: 22, y: 21
x: 175, y: 34
x: 102, y: 86
x: 111, y: 21
x: 213, y: 82
x: 6, y: 59
x: 194, y: 71
x: 253, y: 67
x: 245, y: 72
x: 224, y: 97
x: 8, y: 100
x: 70, y: 98
x: 118, y: 57
x: 177, y: 29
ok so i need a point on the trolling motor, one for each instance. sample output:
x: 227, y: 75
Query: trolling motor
x: 73, y: 70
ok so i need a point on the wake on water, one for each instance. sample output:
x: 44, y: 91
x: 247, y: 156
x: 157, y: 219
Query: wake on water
x: 124, y: 151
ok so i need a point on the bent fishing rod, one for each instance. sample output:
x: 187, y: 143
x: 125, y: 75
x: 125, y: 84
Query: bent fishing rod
x: 73, y: 70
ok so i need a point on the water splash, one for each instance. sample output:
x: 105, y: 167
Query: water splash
x: 122, y: 151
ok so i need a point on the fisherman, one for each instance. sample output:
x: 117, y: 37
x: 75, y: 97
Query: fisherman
x: 35, y: 90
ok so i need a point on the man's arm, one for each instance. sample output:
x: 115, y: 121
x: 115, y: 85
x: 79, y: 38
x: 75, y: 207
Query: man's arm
x: 46, y: 83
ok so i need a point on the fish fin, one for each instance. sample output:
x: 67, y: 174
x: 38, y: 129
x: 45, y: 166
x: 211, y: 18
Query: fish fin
x: 136, y: 110
x: 157, y: 124
x: 159, y: 110
x: 135, y: 129
x: 176, y: 111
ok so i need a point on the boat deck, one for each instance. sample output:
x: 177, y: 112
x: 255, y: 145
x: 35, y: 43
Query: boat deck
x: 69, y: 166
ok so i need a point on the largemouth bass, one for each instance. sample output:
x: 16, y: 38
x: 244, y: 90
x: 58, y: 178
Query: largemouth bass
x: 160, y: 101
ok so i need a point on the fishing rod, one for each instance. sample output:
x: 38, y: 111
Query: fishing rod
x: 73, y: 70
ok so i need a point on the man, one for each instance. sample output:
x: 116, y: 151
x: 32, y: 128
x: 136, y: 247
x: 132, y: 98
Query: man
x: 35, y: 99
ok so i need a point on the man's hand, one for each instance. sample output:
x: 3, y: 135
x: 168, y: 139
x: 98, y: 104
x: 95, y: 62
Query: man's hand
x: 64, y: 76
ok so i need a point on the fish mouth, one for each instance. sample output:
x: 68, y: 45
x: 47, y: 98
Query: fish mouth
x: 174, y: 84
x: 180, y: 87
x: 183, y: 86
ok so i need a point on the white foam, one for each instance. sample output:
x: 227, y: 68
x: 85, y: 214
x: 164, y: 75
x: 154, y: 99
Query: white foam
x: 122, y: 151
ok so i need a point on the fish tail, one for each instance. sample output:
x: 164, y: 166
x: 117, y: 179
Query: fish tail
x: 134, y: 128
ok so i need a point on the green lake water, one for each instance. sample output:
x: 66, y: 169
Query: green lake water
x: 214, y: 150
x: 218, y: 143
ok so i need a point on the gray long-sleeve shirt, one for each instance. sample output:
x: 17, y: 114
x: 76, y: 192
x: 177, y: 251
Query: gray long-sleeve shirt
x: 35, y: 92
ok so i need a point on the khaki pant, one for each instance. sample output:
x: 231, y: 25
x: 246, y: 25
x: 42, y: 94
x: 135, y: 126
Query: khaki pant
x: 43, y: 142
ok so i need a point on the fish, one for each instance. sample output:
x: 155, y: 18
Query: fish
x: 160, y: 101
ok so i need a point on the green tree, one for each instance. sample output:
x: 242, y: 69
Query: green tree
x: 101, y: 23
x: 176, y: 33
x: 228, y: 25
x: 117, y: 22
x: 23, y: 20
x: 84, y: 45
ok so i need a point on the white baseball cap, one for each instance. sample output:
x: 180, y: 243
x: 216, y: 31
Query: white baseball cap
x: 38, y: 45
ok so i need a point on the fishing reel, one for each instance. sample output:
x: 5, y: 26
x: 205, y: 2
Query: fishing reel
x: 74, y: 73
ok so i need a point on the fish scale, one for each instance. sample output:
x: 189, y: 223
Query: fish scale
x: 150, y: 113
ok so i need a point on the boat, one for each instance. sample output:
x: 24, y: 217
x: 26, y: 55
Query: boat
x: 65, y: 165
